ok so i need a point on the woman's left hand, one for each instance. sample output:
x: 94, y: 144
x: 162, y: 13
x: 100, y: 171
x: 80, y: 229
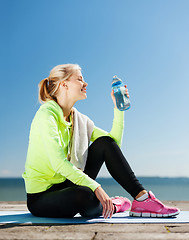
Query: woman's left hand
x: 113, y: 97
x: 106, y: 201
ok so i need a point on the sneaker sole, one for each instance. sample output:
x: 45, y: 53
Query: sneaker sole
x: 153, y: 215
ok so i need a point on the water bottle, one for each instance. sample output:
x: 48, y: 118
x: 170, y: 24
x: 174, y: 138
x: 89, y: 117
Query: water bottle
x: 122, y: 101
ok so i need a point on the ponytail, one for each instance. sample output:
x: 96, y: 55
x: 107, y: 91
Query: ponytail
x: 44, y: 91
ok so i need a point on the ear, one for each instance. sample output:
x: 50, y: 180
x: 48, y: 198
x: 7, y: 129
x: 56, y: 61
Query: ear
x: 64, y: 84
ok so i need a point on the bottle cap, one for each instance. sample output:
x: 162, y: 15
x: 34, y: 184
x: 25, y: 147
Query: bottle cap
x: 116, y: 79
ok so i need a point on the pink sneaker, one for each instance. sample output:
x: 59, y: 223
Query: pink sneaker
x: 151, y: 207
x: 121, y: 203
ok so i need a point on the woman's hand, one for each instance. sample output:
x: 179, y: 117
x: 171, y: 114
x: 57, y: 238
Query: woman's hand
x: 113, y: 97
x: 106, y: 201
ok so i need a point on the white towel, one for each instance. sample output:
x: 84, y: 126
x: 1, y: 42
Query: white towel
x: 83, y: 128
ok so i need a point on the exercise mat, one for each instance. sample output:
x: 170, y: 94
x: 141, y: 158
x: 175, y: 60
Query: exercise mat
x: 19, y: 217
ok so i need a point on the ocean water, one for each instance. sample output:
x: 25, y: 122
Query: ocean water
x: 13, y: 189
x: 164, y: 188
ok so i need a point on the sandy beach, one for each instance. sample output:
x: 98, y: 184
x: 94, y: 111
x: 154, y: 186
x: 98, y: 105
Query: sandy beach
x: 93, y: 231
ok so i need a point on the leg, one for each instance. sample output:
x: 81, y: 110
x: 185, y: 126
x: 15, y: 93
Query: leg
x: 65, y: 201
x: 105, y: 149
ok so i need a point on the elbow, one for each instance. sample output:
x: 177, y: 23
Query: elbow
x: 117, y: 140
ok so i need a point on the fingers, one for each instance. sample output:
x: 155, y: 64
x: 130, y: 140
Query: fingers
x: 126, y: 90
x: 111, y: 209
x: 108, y: 209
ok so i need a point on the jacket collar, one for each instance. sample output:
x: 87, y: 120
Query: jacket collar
x: 58, y: 111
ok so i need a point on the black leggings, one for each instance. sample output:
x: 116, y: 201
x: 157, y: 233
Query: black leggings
x: 67, y: 199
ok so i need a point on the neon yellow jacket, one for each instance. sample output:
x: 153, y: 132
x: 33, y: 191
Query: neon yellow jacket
x: 50, y: 134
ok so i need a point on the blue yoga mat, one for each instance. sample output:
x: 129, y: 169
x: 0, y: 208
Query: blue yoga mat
x: 26, y: 217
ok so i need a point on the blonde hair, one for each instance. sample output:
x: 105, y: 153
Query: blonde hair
x: 48, y: 87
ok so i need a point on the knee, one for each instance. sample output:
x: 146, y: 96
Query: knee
x: 104, y: 140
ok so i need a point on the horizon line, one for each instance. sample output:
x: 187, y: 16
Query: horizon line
x: 142, y: 176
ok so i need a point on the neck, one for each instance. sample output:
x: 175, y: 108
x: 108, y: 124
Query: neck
x: 66, y: 107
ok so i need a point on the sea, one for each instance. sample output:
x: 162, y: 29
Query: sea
x: 164, y: 188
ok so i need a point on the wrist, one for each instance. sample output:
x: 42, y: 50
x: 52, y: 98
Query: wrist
x: 97, y: 188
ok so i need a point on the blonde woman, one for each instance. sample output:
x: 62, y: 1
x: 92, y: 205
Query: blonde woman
x: 62, y: 166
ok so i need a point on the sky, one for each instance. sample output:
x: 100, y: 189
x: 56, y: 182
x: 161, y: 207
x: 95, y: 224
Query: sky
x: 145, y: 43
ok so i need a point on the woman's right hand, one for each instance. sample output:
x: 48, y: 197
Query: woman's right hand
x: 106, y: 201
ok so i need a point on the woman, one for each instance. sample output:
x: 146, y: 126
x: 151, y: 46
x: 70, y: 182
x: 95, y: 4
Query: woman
x: 61, y: 167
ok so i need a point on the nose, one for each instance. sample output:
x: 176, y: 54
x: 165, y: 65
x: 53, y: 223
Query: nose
x: 85, y: 84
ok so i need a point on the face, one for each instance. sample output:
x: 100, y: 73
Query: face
x: 76, y: 86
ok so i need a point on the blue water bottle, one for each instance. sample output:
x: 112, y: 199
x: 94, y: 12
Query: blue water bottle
x: 122, y: 101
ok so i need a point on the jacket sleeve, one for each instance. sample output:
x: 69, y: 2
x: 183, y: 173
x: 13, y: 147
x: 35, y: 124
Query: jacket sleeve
x: 49, y: 133
x: 117, y: 129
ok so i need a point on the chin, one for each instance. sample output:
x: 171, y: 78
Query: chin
x: 84, y: 96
